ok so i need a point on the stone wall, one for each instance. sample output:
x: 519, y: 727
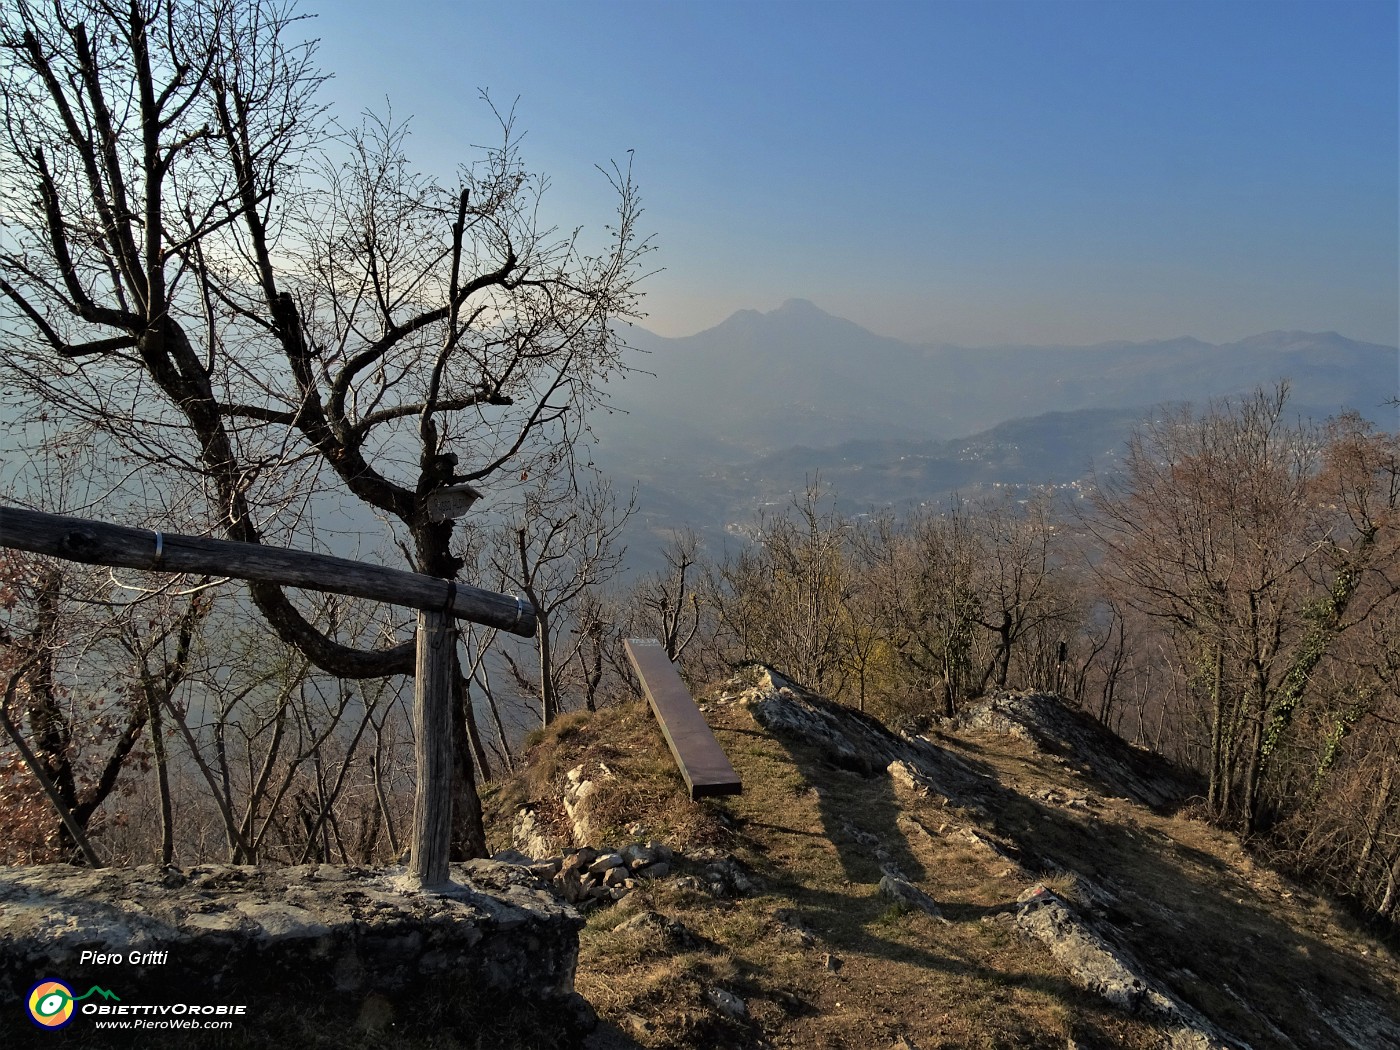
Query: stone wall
x: 314, y: 955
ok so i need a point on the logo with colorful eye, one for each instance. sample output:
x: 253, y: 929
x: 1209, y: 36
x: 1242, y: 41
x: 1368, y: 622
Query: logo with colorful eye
x: 51, y: 1004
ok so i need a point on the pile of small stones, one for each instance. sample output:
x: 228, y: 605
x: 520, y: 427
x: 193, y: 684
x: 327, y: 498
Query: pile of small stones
x: 588, y: 876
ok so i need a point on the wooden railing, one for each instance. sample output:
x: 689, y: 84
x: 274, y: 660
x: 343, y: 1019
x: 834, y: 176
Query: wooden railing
x: 437, y: 602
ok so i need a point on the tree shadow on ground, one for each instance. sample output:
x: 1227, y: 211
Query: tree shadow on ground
x: 1197, y: 921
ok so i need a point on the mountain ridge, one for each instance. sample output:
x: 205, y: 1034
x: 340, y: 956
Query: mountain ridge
x: 807, y: 311
x: 797, y: 375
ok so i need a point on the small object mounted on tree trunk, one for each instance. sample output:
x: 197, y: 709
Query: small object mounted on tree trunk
x: 451, y: 501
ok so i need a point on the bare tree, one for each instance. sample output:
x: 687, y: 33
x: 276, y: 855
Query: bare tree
x: 781, y: 601
x: 75, y: 737
x: 564, y: 545
x: 936, y: 604
x: 287, y: 317
x: 1225, y: 527
x: 669, y: 601
x: 1019, y: 588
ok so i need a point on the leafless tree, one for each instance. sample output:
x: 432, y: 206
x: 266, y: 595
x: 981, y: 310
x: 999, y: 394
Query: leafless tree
x: 781, y: 600
x: 77, y: 738
x: 1225, y: 526
x: 1019, y: 587
x: 669, y: 601
x: 563, y: 546
x: 197, y: 263
x: 936, y: 605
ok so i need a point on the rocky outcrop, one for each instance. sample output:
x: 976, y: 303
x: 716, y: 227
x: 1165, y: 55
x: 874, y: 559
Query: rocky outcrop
x: 1042, y: 720
x: 894, y: 884
x: 1099, y: 966
x: 847, y: 739
x: 1087, y: 948
x: 530, y: 837
x: 307, y: 952
x: 854, y: 741
x: 899, y: 889
x: 578, y: 792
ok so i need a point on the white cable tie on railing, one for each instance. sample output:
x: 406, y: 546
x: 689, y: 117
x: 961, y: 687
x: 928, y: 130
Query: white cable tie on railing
x: 160, y: 549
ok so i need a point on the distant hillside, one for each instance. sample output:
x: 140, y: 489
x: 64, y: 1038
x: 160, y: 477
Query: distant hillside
x: 1058, y: 448
x: 1018, y: 879
x: 738, y: 417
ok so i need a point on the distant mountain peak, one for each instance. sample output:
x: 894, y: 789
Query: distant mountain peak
x: 793, y: 316
x: 801, y: 307
x: 1293, y: 343
x: 791, y: 310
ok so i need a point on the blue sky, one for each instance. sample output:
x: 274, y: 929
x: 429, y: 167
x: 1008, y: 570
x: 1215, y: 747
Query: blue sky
x: 971, y: 172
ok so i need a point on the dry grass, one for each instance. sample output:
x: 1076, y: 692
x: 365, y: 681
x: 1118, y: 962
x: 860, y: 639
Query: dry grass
x: 822, y: 959
x: 622, y: 748
x: 1236, y: 940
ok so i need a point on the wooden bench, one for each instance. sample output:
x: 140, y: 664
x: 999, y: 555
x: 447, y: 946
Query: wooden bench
x: 702, y: 762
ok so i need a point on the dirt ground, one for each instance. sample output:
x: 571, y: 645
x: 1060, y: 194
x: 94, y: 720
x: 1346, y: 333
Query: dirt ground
x: 805, y: 951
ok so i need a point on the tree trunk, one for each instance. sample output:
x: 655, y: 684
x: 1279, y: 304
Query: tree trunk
x: 435, y: 558
x: 167, y: 816
x: 949, y: 692
x: 468, y: 829
x: 1218, y: 793
x: 1376, y: 819
x: 549, y: 701
x: 1249, y: 790
x: 1004, y: 643
x: 1388, y: 901
x: 433, y: 705
x: 483, y: 766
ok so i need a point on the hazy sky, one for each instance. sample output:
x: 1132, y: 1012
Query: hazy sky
x: 973, y: 172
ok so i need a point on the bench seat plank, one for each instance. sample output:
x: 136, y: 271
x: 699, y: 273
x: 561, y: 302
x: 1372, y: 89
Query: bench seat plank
x: 703, y: 763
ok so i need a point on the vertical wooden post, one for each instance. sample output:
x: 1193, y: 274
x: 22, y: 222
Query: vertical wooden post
x: 432, y: 748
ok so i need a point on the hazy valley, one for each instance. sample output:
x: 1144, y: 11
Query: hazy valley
x: 715, y: 427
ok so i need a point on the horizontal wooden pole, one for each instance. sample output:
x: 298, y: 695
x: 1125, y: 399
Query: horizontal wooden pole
x: 100, y: 543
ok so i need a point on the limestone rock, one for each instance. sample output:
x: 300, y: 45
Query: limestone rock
x: 858, y: 742
x: 615, y: 876
x: 605, y: 862
x: 1097, y: 965
x: 728, y: 1003
x: 589, y: 877
x: 904, y: 892
x: 725, y: 877
x: 579, y: 790
x: 791, y: 930
x: 1043, y: 720
x: 657, y: 932
x: 530, y: 836
x: 643, y: 854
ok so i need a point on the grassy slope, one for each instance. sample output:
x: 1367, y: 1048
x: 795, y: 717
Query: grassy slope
x: 822, y: 959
